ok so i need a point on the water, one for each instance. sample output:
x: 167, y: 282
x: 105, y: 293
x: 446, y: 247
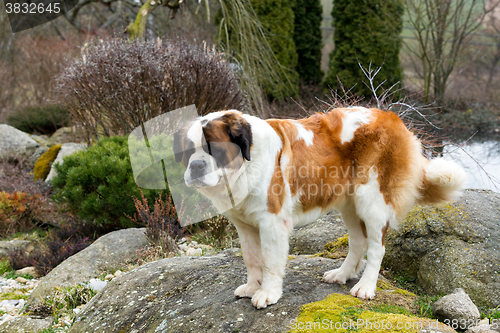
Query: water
x: 481, y: 161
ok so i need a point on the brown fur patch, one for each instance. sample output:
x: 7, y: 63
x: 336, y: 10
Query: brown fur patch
x: 231, y: 127
x: 363, y: 228
x: 276, y: 191
x: 384, y: 232
x: 331, y: 170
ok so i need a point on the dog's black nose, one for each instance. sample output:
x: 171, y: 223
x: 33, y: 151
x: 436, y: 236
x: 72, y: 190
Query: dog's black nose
x: 198, y: 168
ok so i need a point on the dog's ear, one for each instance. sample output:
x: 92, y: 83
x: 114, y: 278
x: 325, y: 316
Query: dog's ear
x: 178, y: 145
x: 240, y: 133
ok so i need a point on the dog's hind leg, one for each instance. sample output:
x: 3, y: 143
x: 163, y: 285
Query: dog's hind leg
x: 357, y: 248
x: 250, y: 246
x: 377, y: 215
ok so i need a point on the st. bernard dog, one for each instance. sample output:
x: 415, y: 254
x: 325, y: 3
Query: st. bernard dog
x: 363, y: 162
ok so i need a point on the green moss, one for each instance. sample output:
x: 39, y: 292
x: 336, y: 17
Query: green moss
x: 43, y: 164
x: 337, y: 248
x: 404, y: 292
x: 356, y: 315
x: 338, y: 243
x: 390, y: 308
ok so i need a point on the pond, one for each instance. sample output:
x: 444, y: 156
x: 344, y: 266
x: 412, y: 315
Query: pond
x: 481, y: 160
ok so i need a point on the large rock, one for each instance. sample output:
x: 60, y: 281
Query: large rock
x: 25, y: 324
x: 451, y: 246
x: 66, y: 150
x: 312, y: 237
x: 109, y: 252
x: 456, y: 307
x: 15, y: 143
x: 67, y: 134
x: 15, y: 245
x: 195, y: 294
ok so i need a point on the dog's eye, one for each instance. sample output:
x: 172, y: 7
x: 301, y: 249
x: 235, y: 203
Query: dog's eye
x: 206, y: 148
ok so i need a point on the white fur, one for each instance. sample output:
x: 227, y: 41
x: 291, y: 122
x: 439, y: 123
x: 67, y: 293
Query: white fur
x: 447, y: 174
x: 354, y: 117
x: 304, y: 134
x: 264, y: 236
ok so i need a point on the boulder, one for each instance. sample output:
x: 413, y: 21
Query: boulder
x: 451, y: 246
x: 109, y: 252
x: 26, y: 324
x: 66, y: 150
x: 312, y: 237
x: 67, y: 134
x: 456, y: 307
x: 195, y: 294
x: 14, y: 245
x: 30, y: 270
x: 15, y: 143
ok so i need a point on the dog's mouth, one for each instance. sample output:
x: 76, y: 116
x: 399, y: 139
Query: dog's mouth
x: 200, y: 183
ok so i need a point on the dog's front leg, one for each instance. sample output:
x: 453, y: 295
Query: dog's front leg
x: 274, y: 247
x: 250, y: 246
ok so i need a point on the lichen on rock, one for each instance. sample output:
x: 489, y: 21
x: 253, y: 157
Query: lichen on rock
x: 44, y: 163
x: 345, y: 313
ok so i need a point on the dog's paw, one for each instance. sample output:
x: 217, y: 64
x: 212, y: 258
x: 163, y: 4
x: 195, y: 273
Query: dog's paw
x: 246, y: 290
x: 336, y: 276
x: 365, y: 290
x: 263, y: 298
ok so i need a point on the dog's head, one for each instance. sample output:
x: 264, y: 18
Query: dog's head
x: 210, y: 147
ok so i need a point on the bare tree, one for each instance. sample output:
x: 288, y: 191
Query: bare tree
x: 441, y: 28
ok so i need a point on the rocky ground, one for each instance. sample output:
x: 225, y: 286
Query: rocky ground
x: 13, y: 295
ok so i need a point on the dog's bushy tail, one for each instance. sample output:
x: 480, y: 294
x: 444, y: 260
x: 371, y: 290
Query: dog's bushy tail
x: 443, y: 181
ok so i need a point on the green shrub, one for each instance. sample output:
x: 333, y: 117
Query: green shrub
x: 365, y: 31
x: 308, y: 39
x: 43, y: 164
x: 98, y: 184
x: 43, y: 119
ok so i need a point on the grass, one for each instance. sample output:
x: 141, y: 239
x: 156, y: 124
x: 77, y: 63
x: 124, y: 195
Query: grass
x: 390, y: 308
x: 424, y: 303
x: 404, y: 281
x: 491, y: 314
x: 15, y: 294
x: 5, y: 267
x: 32, y: 235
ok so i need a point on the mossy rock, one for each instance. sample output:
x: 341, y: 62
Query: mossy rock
x: 451, y: 246
x: 345, y: 313
x: 337, y: 248
x: 43, y: 164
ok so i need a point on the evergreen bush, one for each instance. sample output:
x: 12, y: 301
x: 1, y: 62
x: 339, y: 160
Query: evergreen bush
x: 277, y: 19
x: 365, y: 32
x: 308, y: 39
x: 98, y: 184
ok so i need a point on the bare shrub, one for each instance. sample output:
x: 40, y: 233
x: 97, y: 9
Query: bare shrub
x: 116, y: 84
x: 162, y: 225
